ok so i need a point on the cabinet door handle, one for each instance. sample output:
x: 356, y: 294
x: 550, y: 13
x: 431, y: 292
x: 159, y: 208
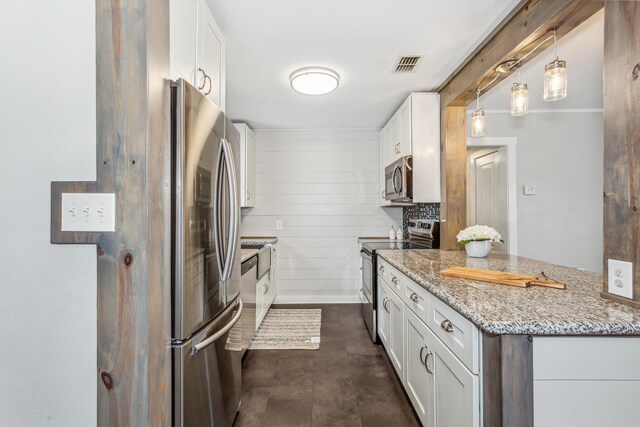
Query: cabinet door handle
x: 210, y: 86
x: 423, y: 348
x: 447, y: 325
x: 266, y: 289
x: 384, y: 304
x: 382, y: 194
x: 426, y: 362
x: 204, y: 79
x: 248, y: 194
x: 413, y: 297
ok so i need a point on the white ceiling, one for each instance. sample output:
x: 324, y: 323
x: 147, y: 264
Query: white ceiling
x: 360, y: 39
x: 583, y: 49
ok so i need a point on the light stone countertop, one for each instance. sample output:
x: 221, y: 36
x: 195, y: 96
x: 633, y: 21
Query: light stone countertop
x: 499, y: 309
x: 245, y: 254
x: 263, y: 240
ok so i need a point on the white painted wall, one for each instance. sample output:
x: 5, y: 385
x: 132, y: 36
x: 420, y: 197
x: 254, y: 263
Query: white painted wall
x: 561, y: 153
x: 323, y: 185
x: 48, y: 292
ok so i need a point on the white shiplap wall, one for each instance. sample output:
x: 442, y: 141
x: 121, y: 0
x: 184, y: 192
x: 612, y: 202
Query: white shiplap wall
x: 323, y: 185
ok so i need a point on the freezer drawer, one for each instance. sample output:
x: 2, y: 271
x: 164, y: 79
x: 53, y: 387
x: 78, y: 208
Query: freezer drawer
x: 206, y: 375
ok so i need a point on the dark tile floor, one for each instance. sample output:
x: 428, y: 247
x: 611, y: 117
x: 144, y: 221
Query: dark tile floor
x: 349, y: 381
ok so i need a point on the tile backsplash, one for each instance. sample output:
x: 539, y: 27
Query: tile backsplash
x: 421, y: 211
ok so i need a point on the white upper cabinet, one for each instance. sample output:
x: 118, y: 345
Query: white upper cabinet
x: 198, y: 49
x: 211, y: 57
x: 247, y: 166
x: 183, y: 41
x: 414, y: 130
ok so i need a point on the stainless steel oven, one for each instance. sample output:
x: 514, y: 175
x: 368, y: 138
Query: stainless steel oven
x: 398, y: 180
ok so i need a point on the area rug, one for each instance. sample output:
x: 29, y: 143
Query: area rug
x: 289, y: 329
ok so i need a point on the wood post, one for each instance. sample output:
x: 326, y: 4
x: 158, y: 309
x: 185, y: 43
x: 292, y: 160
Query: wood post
x: 507, y: 380
x: 453, y: 175
x: 622, y: 140
x: 134, y: 262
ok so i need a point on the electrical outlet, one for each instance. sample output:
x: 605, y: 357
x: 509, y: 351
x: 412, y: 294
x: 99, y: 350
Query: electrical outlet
x: 529, y: 190
x: 279, y: 224
x: 620, y: 278
x: 88, y: 212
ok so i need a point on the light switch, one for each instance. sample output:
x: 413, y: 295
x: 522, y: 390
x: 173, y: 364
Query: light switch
x: 279, y: 224
x: 529, y: 190
x: 88, y: 212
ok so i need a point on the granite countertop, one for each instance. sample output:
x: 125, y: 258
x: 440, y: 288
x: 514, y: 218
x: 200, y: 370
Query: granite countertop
x: 499, y: 309
x: 245, y: 254
x: 263, y: 240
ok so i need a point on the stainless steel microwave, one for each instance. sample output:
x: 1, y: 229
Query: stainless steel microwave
x: 398, y: 180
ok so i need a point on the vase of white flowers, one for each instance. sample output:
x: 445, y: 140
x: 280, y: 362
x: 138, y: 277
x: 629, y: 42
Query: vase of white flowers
x: 477, y: 240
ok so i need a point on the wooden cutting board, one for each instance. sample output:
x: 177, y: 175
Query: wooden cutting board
x: 499, y: 277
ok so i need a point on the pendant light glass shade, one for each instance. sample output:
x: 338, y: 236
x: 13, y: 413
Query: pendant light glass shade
x: 477, y: 123
x: 555, y: 80
x: 519, y: 99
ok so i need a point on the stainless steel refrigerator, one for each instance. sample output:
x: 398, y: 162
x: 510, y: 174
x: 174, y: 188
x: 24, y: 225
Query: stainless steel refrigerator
x: 206, y: 261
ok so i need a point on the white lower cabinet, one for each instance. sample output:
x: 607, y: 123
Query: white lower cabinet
x: 444, y: 392
x: 396, y: 334
x: 267, y: 288
x: 456, y: 389
x: 418, y: 380
x: 383, y: 314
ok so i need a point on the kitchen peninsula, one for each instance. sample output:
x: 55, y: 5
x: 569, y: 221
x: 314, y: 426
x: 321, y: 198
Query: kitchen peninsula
x: 503, y: 353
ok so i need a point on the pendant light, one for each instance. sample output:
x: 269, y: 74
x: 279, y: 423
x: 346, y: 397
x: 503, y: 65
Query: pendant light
x: 555, y: 77
x: 477, y: 119
x: 519, y: 98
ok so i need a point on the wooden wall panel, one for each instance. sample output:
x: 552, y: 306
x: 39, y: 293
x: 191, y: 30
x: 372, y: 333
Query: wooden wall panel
x: 134, y: 313
x: 622, y: 139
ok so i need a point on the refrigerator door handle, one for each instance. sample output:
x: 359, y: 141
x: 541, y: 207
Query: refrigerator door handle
x: 215, y: 337
x: 216, y: 214
x: 233, y: 208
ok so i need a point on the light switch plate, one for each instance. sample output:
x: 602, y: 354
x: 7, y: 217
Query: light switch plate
x: 88, y: 212
x: 279, y: 224
x: 529, y: 190
x: 620, y: 278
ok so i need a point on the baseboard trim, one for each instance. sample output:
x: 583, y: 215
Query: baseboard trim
x: 317, y: 299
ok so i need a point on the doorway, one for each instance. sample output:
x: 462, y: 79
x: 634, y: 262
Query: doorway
x: 491, y: 190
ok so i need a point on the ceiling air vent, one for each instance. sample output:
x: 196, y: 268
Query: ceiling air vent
x: 408, y: 64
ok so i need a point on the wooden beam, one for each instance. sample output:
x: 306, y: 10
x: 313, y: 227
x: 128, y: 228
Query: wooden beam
x: 517, y: 36
x: 453, y: 175
x: 133, y: 143
x: 622, y: 140
x: 507, y: 380
x: 514, y: 38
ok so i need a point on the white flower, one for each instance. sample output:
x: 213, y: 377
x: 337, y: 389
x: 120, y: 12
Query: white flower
x: 478, y: 233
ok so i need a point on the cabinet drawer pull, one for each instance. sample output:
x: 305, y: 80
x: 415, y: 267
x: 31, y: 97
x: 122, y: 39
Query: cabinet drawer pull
x: 414, y: 297
x: 394, y: 279
x: 426, y: 362
x: 447, y: 325
x: 381, y: 269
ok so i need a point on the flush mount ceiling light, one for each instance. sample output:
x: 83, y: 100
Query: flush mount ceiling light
x: 314, y: 80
